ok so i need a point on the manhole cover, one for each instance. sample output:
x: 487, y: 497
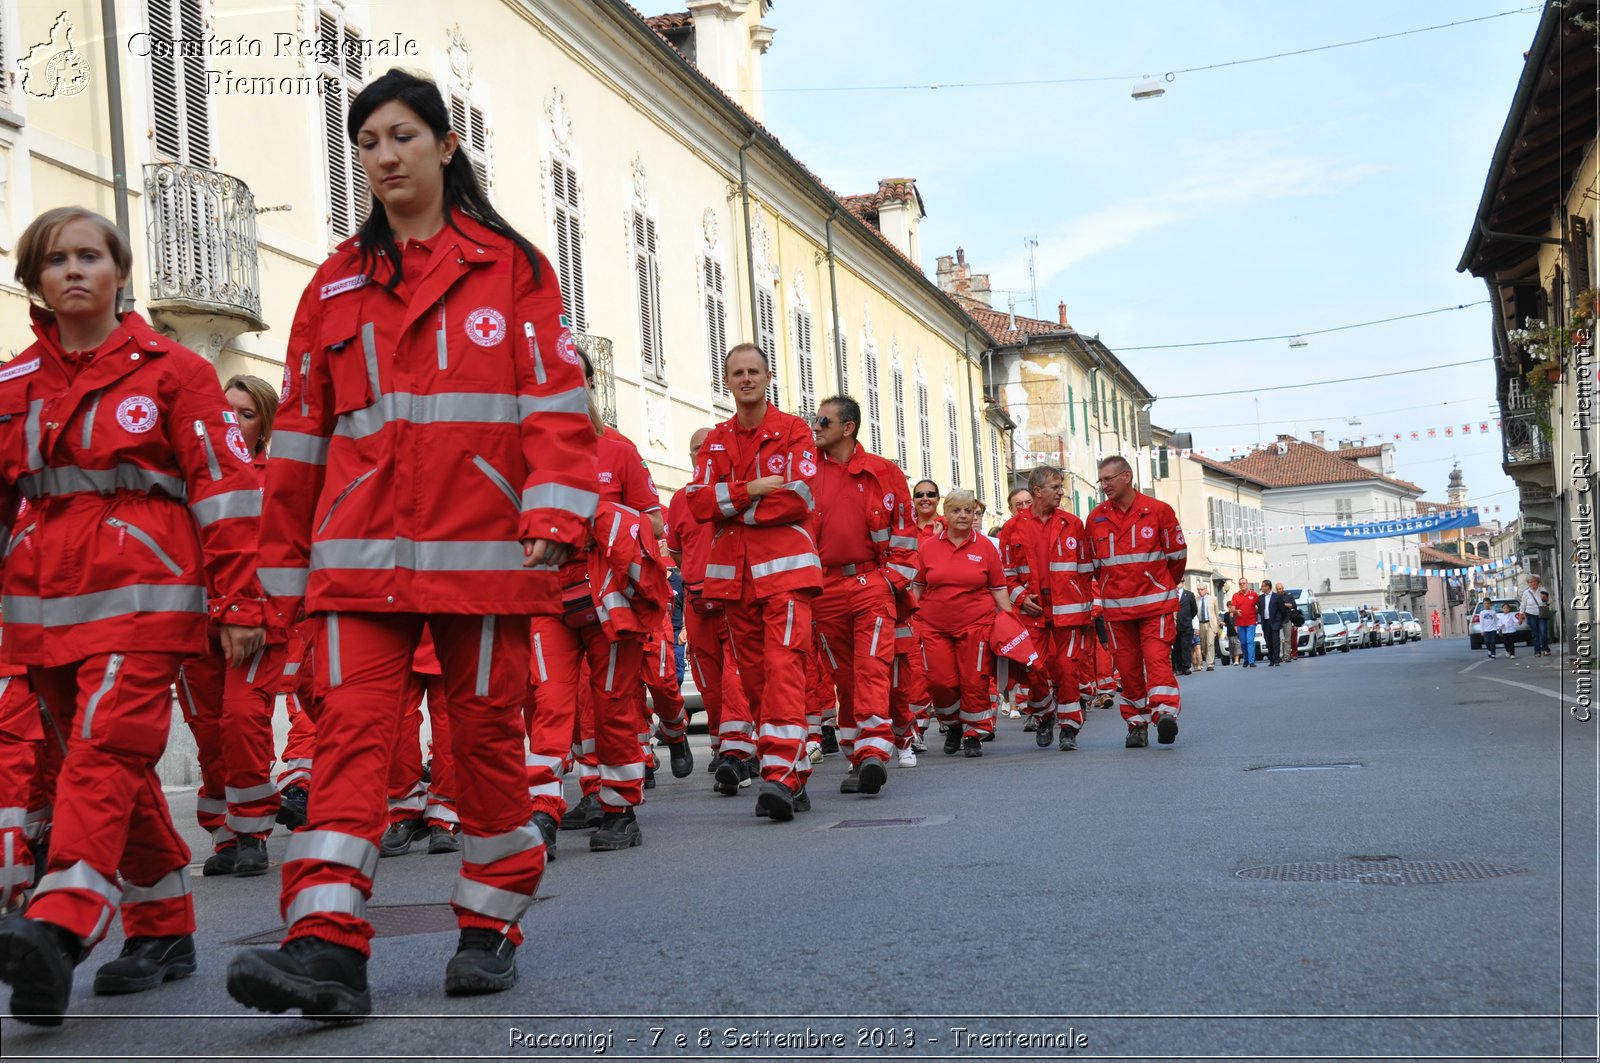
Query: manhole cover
x: 1303, y: 767
x: 911, y: 821
x: 1388, y: 871
x: 388, y: 921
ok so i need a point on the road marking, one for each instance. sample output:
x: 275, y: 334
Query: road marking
x: 1558, y: 695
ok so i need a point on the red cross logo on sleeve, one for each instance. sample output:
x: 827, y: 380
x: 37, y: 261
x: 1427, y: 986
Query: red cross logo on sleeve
x: 137, y: 414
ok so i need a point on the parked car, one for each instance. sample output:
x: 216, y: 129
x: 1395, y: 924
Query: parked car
x: 1335, y: 632
x: 1413, y: 626
x: 1522, y: 634
x: 1358, y: 630
x: 1397, y: 627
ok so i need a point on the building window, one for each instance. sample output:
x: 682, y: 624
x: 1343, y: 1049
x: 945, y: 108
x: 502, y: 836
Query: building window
x: 181, y: 125
x: 466, y: 118
x: 569, y: 242
x: 716, y: 327
x: 923, y: 423
x: 898, y: 382
x: 647, y: 287
x: 1159, y: 469
x: 1087, y: 438
x: 978, y: 485
x: 994, y: 464
x: 767, y: 337
x: 1347, y: 564
x: 955, y: 442
x: 874, y: 414
x: 342, y: 70
x: 803, y: 358
x: 844, y: 365
x: 1342, y: 510
x: 1072, y: 413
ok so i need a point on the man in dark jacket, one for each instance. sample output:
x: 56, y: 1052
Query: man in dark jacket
x: 1183, y: 643
x: 1274, y: 608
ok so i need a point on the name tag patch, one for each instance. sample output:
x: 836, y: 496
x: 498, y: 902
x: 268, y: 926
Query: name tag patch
x: 11, y: 372
x: 341, y: 286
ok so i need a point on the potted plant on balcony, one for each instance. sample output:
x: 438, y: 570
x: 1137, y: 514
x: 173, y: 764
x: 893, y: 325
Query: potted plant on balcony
x: 1584, y: 305
x: 1546, y: 345
x: 1540, y: 387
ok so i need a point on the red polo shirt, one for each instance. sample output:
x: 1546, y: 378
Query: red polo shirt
x: 688, y: 537
x: 623, y: 477
x: 1244, y: 608
x: 958, y: 582
x: 843, y: 537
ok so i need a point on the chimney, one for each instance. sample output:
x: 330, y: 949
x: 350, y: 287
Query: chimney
x: 729, y: 43
x: 961, y: 255
x: 955, y: 277
x: 1061, y: 311
x: 899, y: 214
x: 1320, y: 438
x: 980, y: 288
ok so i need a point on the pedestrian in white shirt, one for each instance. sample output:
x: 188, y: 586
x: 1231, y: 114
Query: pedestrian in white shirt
x: 1488, y: 624
x: 1538, y: 623
x: 1507, y: 622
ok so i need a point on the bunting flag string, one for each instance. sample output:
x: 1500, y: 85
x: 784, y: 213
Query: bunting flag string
x: 1492, y: 566
x: 1449, y: 431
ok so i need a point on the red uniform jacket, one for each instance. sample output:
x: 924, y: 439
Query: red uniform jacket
x: 623, y: 475
x: 626, y: 578
x: 1050, y: 560
x: 687, y: 536
x: 420, y: 439
x: 1139, y: 557
x: 142, y: 496
x: 889, y: 523
x: 765, y: 540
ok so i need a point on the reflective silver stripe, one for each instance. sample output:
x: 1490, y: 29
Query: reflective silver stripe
x: 61, y: 480
x: 573, y: 400
x: 495, y: 478
x: 335, y: 668
x: 301, y: 447
x: 622, y: 772
x: 788, y: 626
x: 483, y: 899
x: 833, y: 662
x: 207, y: 511
x: 1071, y: 610
x: 1169, y: 691
x: 877, y: 629
x: 1132, y: 559
x: 33, y: 438
x: 80, y: 876
x: 905, y: 542
x: 255, y: 663
x: 538, y: 657
x: 292, y: 668
x: 103, y: 605
x: 211, y: 453
x: 417, y: 556
x: 88, y: 419
x: 369, y: 351
x: 330, y: 898
x: 333, y: 847
x: 113, y: 666
x: 750, y: 514
x: 249, y: 793
x: 168, y: 887
x: 485, y: 656
x: 37, y: 818
x: 1143, y: 599
x: 905, y: 632
x: 615, y: 600
x: 725, y: 501
x: 496, y: 847
x: 722, y: 572
x: 803, y: 489
x: 251, y: 824
x: 572, y: 500
x: 793, y: 733
x: 539, y: 374
x: 905, y: 570
x: 442, y: 342
x: 13, y: 817
x: 611, y: 669
x: 215, y: 806
x: 284, y: 582
x: 445, y: 407
x: 792, y: 563
x: 880, y: 536
x: 149, y: 542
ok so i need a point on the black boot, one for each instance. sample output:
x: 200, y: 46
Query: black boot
x: 145, y: 963
x: 441, y: 839
x: 733, y: 774
x: 682, y: 758
x: 776, y: 801
x: 37, y: 960
x: 873, y: 775
x: 485, y: 962
x: 586, y: 813
x: 292, y: 807
x: 397, y: 839
x: 619, y: 830
x: 327, y: 982
x: 952, y: 739
x: 222, y: 862
x: 250, y: 857
x: 830, y: 741
x: 547, y: 829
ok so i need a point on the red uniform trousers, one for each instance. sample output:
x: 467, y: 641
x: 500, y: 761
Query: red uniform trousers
x: 1142, y: 650
x: 362, y: 664
x: 613, y: 695
x: 910, y: 704
x: 24, y: 801
x: 111, y: 817
x: 229, y: 711
x: 959, y: 679
x: 716, y: 673
x: 1053, y: 682
x: 822, y: 696
x: 660, y: 667
x: 300, y: 748
x: 855, y: 627
x: 410, y: 797
x: 771, y: 637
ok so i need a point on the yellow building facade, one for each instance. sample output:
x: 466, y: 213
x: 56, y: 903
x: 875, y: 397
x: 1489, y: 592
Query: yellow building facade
x: 617, y: 144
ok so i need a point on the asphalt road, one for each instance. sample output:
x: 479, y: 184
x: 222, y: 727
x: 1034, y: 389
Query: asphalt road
x: 1050, y: 905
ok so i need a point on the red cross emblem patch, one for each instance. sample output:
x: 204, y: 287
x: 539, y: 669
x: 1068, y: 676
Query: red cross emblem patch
x: 486, y: 326
x: 137, y: 414
x: 235, y: 439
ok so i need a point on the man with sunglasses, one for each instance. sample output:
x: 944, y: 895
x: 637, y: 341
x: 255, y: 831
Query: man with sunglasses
x: 868, y: 550
x: 1047, y: 566
x: 1139, y: 556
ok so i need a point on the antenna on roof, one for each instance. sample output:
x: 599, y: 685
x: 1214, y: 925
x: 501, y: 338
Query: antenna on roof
x: 1032, y: 242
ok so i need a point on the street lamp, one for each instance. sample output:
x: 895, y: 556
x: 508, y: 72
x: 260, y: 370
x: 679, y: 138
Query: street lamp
x: 1148, y: 89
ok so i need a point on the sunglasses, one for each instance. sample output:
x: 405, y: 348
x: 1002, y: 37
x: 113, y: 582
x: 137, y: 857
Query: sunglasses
x: 925, y: 494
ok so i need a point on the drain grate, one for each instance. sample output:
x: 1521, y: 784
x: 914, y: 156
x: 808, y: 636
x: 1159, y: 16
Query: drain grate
x: 1380, y: 871
x: 388, y: 921
x: 911, y: 821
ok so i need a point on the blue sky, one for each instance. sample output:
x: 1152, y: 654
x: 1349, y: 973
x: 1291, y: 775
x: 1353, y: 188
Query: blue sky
x: 1278, y: 197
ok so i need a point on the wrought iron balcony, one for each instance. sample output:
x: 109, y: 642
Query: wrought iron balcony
x: 598, y: 350
x: 200, y: 229
x: 1405, y: 584
x: 1523, y: 440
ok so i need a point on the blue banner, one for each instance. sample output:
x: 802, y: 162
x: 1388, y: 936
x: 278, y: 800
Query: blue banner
x: 1384, y: 529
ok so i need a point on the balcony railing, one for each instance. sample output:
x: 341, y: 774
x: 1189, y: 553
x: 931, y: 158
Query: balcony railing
x: 1523, y: 439
x: 598, y: 351
x: 201, y: 233
x: 1404, y: 584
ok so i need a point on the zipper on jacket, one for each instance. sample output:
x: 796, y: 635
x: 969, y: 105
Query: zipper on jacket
x: 357, y: 482
x: 1153, y: 580
x: 499, y: 481
x: 113, y: 666
x: 211, y: 455
x: 305, y: 375
x: 88, y: 420
x: 443, y: 340
x: 533, y: 352
x: 124, y: 529
x: 24, y: 536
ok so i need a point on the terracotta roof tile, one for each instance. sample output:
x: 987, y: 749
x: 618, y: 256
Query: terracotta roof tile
x: 998, y: 324
x: 675, y: 20
x: 1306, y: 464
x: 1360, y: 452
x: 1230, y: 468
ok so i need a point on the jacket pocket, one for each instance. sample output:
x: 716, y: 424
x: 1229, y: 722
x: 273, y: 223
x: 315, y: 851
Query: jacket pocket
x: 483, y: 466
x: 349, y: 346
x: 127, y: 531
x: 21, y: 538
x: 342, y: 495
